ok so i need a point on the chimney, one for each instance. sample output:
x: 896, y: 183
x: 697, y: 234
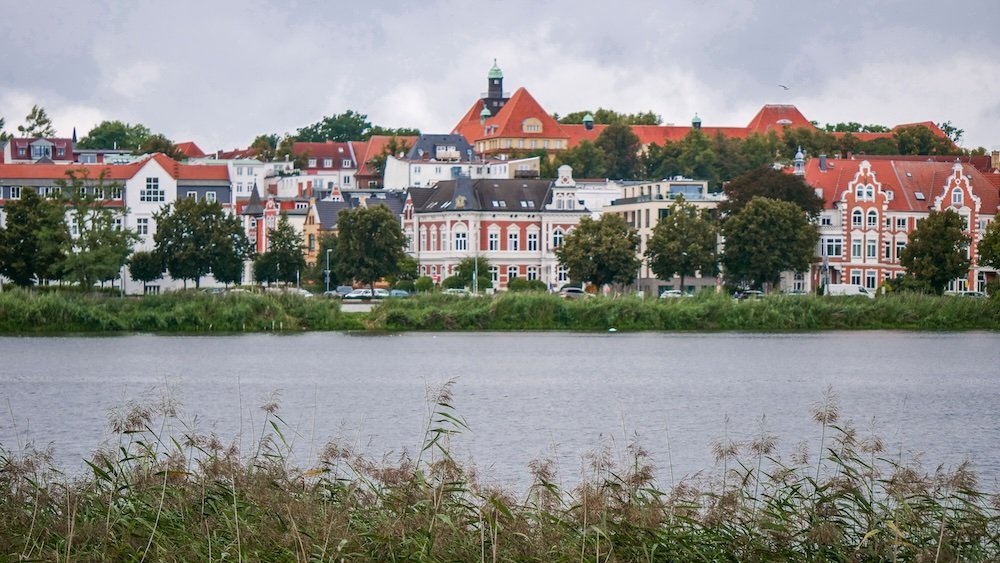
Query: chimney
x: 995, y: 159
x: 822, y: 163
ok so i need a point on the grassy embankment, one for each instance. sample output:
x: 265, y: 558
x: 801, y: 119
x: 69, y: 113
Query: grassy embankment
x: 162, y: 495
x: 51, y: 312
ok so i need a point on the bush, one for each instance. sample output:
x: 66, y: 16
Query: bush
x: 523, y: 284
x: 423, y: 284
x: 405, y: 285
x: 453, y: 282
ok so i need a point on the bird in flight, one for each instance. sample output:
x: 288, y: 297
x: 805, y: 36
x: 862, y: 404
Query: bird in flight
x: 784, y: 87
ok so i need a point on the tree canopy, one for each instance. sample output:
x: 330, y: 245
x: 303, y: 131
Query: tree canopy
x: 37, y: 124
x: 33, y: 243
x: 621, y: 151
x: 145, y: 266
x: 161, y: 144
x: 988, y: 249
x: 937, y: 250
x: 347, y: 126
x: 4, y: 136
x: 683, y: 243
x: 474, y: 267
x: 764, y: 239
x: 607, y: 117
x: 770, y: 183
x: 601, y: 252
x: 194, y: 237
x: 370, y: 243
x: 115, y: 135
x: 284, y: 260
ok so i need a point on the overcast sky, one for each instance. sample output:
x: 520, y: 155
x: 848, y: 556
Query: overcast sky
x: 220, y: 72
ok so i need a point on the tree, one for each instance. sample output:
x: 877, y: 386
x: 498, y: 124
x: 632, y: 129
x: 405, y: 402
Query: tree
x: 393, y: 146
x: 284, y: 260
x: 409, y: 271
x: 99, y: 245
x: 988, y: 249
x: 683, y: 243
x: 478, y: 267
x: 37, y: 124
x: 115, y: 135
x: 602, y: 251
x: 145, y: 266
x: 265, y: 146
x: 621, y: 150
x: 937, y: 250
x: 607, y: 116
x: 587, y: 160
x: 230, y: 248
x: 370, y: 244
x: 33, y: 243
x: 918, y: 139
x: 286, y: 151
x: 193, y: 237
x: 765, y: 238
x: 160, y: 143
x: 347, y: 126
x: 772, y: 184
x: 4, y: 136
x: 954, y: 133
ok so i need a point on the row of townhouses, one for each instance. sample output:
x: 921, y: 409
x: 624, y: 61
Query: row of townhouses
x: 468, y: 193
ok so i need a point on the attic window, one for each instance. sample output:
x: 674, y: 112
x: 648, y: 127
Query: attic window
x: 495, y: 203
x: 503, y: 204
x: 920, y: 196
x: 889, y: 195
x: 525, y: 204
x: 531, y: 125
x: 909, y: 175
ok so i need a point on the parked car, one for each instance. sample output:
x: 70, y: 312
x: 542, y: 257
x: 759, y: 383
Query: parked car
x: 300, y: 292
x: 461, y: 292
x: 973, y: 294
x: 343, y: 290
x: 672, y: 294
x: 401, y: 293
x: 744, y: 294
x: 381, y: 293
x: 573, y: 293
x: 363, y: 293
x: 796, y: 292
x: 849, y: 290
x: 214, y: 290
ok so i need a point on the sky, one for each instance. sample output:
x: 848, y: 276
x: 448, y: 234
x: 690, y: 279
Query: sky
x: 220, y: 72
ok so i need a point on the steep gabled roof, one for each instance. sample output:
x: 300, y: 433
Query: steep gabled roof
x: 189, y: 149
x: 521, y: 106
x: 469, y: 126
x: 774, y: 116
x: 487, y: 195
x: 336, y: 151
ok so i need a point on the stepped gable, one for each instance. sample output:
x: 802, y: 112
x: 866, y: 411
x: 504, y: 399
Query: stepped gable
x: 906, y: 178
x: 777, y: 117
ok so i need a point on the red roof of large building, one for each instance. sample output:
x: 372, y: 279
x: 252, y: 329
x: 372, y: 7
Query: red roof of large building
x: 189, y: 149
x: 175, y: 169
x: 906, y: 178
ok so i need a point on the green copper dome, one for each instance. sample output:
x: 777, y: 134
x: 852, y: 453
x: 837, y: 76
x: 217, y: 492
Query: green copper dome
x: 485, y: 113
x: 589, y: 117
x: 696, y: 120
x: 495, y: 71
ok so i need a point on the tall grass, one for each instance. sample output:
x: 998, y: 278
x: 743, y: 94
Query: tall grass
x: 706, y: 312
x: 167, y: 493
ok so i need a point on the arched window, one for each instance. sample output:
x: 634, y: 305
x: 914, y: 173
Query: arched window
x: 872, y: 219
x: 870, y: 192
x: 856, y: 218
x: 859, y: 192
x: 557, y: 238
x: 957, y: 197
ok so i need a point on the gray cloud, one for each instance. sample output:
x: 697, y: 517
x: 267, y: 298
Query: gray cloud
x: 221, y: 72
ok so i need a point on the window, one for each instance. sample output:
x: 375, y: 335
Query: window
x: 152, y: 193
x: 142, y: 226
x: 74, y: 228
x: 856, y: 218
x: 562, y: 274
x: 855, y: 248
x: 513, y: 238
x: 872, y: 219
x: 870, y: 192
x: 533, y: 241
x: 119, y: 223
x: 532, y: 272
x: 900, y: 245
x: 311, y: 163
x: 22, y: 151
x: 347, y: 180
x: 61, y: 151
x: 434, y: 238
x: 423, y: 238
x: 239, y: 187
x: 494, y: 274
x: 192, y: 195
x: 41, y: 151
x: 531, y: 125
x: 871, y: 282
x: 833, y: 246
x: 87, y: 159
x: 327, y: 163
x: 211, y: 197
x: 887, y: 250
x: 957, y: 197
x: 15, y: 192
x: 826, y: 220
x: 461, y: 241
x: 871, y: 248
x: 511, y: 272
x: 346, y: 163
x: 859, y: 192
x: 856, y: 277
x: 416, y: 170
x: 116, y: 192
x: 312, y: 242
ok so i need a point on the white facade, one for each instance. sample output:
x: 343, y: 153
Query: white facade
x: 401, y: 173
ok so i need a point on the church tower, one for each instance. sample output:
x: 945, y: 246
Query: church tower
x: 494, y: 98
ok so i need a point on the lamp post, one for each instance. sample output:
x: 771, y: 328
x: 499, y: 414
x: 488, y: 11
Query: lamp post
x: 326, y: 272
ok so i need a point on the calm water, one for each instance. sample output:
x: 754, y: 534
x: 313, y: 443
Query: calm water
x: 524, y: 396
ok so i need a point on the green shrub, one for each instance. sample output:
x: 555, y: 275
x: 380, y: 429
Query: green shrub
x: 424, y: 284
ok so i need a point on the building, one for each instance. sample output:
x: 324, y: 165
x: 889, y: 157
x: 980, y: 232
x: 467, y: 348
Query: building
x: 642, y: 206
x: 872, y: 206
x: 516, y: 224
x: 434, y: 158
x: 322, y: 215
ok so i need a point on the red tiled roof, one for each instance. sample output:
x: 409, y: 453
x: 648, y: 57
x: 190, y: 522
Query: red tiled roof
x: 114, y: 172
x: 189, y: 149
x: 905, y: 178
x: 469, y: 126
x: 367, y: 150
x: 777, y: 117
x: 236, y: 154
x: 928, y: 124
x: 521, y: 106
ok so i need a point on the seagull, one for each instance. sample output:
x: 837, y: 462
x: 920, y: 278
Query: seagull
x: 783, y: 86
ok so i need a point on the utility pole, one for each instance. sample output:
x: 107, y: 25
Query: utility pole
x: 326, y: 272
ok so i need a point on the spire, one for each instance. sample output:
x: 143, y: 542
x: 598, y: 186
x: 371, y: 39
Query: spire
x: 800, y: 162
x: 495, y: 71
x: 74, y: 136
x: 696, y: 122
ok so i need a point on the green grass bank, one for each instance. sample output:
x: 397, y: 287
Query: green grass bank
x: 59, y: 312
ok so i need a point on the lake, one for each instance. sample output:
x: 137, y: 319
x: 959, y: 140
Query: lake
x: 523, y: 395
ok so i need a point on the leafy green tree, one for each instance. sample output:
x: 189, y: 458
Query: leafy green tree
x: 230, y: 248
x: 193, y: 237
x: 918, y: 139
x: 587, y: 159
x: 286, y: 151
x: 621, y: 150
x: 423, y: 284
x: 765, y: 238
x: 347, y: 126
x: 394, y: 146
x: 478, y: 267
x: 697, y: 158
x: 683, y: 243
x: 517, y: 285
x: 284, y: 260
x: 33, y: 243
x: 145, y: 266
x: 37, y: 124
x: 937, y: 251
x: 988, y: 249
x: 370, y: 244
x: 954, y: 133
x: 159, y: 143
x: 855, y: 127
x: 601, y: 252
x: 100, y: 245
x: 4, y: 136
x: 115, y: 135
x: 607, y: 116
x: 773, y: 184
x: 393, y: 131
x: 265, y: 146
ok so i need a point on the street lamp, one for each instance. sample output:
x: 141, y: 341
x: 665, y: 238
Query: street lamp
x: 326, y: 272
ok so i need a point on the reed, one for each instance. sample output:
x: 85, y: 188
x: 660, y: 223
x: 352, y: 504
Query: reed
x: 164, y: 492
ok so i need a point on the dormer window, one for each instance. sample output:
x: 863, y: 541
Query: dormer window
x: 346, y: 163
x: 22, y: 151
x: 312, y: 163
x: 327, y: 163
x: 531, y: 125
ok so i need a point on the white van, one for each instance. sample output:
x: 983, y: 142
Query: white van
x: 848, y: 289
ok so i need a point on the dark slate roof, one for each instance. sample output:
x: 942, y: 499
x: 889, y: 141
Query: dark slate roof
x: 420, y: 196
x: 488, y: 195
x: 329, y: 210
x: 429, y: 143
x: 253, y: 207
